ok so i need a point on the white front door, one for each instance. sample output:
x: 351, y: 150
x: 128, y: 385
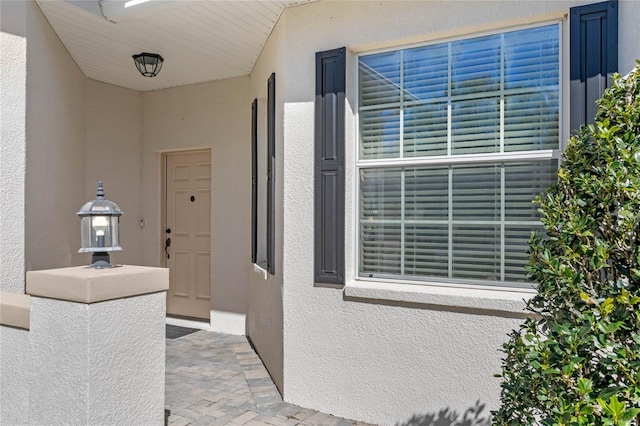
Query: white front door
x: 188, y: 233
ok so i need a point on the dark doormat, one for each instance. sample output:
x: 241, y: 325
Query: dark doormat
x: 173, y: 331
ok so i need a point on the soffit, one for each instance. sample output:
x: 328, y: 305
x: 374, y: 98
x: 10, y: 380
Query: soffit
x: 200, y: 40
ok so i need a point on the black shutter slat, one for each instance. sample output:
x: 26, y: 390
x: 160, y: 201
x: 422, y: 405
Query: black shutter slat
x: 254, y: 181
x: 593, y: 57
x: 329, y: 167
x: 271, y: 181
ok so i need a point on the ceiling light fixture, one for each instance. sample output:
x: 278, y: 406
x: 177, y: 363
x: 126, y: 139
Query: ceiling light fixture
x: 149, y: 64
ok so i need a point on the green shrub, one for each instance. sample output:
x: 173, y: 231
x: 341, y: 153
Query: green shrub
x: 576, y: 361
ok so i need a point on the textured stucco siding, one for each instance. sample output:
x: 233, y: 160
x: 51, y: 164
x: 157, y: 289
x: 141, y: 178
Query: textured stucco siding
x: 13, y: 72
x: 15, y: 375
x: 100, y: 363
x: 55, y: 150
x: 42, y: 127
x: 628, y: 35
x: 113, y: 154
x: 386, y: 361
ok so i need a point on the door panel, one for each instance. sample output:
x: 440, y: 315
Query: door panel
x: 180, y: 268
x: 188, y: 217
x: 203, y: 213
x: 203, y: 274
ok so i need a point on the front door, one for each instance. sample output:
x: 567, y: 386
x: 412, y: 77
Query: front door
x: 188, y: 233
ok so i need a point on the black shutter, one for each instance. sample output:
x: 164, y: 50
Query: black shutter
x: 594, y: 57
x: 329, y: 166
x: 254, y: 180
x: 271, y: 180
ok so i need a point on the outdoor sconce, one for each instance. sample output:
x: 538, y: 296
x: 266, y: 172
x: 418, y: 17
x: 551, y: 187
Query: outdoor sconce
x: 149, y: 64
x: 99, y: 229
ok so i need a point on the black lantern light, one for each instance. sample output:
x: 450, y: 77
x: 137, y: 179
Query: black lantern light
x: 149, y: 64
x: 99, y: 229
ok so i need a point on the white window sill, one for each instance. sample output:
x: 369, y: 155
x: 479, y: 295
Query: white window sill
x: 510, y: 301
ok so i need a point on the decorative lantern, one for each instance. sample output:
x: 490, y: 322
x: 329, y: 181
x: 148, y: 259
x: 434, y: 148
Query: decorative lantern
x: 149, y: 64
x: 99, y: 229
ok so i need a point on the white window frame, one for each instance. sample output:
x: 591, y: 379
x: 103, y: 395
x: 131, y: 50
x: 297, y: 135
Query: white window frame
x: 449, y: 159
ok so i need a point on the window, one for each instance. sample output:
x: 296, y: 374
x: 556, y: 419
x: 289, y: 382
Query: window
x: 455, y: 141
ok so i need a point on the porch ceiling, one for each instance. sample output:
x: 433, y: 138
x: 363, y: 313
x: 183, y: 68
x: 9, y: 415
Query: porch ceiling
x: 200, y: 40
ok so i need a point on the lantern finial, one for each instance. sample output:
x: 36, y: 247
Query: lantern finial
x: 100, y: 192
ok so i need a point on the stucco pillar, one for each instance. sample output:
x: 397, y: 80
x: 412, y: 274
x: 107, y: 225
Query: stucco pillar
x: 97, y: 345
x: 13, y: 74
x: 14, y: 358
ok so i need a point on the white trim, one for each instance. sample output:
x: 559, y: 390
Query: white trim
x: 181, y: 322
x: 547, y: 154
x: 440, y: 294
x: 466, y: 36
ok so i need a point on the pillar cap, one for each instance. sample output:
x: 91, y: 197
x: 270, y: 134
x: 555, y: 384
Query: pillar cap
x: 89, y: 285
x: 15, y: 309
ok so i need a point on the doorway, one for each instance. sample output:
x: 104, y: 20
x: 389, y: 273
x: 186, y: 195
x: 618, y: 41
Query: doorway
x: 187, y: 232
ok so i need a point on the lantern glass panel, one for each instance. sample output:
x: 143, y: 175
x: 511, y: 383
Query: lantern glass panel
x: 150, y: 65
x: 114, y: 235
x: 85, y: 234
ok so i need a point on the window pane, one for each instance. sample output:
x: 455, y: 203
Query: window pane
x: 380, y: 196
x: 476, y: 192
x: 380, y: 133
x: 516, y: 245
x: 531, y: 63
x: 426, y: 72
x: 426, y: 250
x: 379, y: 248
x: 531, y: 58
x: 523, y: 182
x: 475, y: 65
x: 379, y: 79
x: 531, y: 121
x: 476, y: 252
x: 425, y: 130
x: 427, y: 193
x: 475, y: 126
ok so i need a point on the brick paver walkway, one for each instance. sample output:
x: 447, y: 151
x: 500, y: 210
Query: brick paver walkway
x: 217, y: 379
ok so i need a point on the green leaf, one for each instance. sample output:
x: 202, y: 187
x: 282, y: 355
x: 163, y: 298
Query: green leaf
x: 585, y: 385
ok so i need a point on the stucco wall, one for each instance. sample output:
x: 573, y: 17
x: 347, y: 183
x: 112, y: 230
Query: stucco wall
x: 215, y: 115
x: 365, y: 358
x: 629, y: 16
x: 13, y: 72
x: 14, y: 375
x: 264, y: 321
x: 106, y: 368
x: 113, y: 154
x: 55, y: 134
